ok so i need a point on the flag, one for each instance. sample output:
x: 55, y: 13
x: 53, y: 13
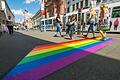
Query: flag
x: 42, y: 7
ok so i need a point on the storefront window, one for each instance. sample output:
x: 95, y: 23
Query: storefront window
x: 116, y: 12
x: 68, y: 9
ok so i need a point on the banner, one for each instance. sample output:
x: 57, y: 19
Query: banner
x: 42, y: 7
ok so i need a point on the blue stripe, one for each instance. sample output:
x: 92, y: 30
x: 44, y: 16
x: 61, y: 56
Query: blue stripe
x: 30, y: 65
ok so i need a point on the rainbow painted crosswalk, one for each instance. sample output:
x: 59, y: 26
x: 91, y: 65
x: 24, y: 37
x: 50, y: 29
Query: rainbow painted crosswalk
x: 46, y: 59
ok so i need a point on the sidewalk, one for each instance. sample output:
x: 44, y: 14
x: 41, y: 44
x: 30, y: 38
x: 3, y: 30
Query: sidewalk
x: 111, y: 51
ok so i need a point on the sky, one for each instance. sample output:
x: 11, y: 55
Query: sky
x: 18, y: 6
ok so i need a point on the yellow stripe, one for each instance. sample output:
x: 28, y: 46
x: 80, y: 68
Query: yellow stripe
x: 57, y: 47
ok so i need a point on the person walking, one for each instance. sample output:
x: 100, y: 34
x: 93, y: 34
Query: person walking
x: 76, y: 26
x: 58, y: 26
x: 104, y: 21
x: 4, y: 25
x: 26, y: 25
x: 10, y: 25
x: 72, y: 26
x: 68, y: 26
x: 92, y: 19
x: 116, y: 23
x: 83, y: 27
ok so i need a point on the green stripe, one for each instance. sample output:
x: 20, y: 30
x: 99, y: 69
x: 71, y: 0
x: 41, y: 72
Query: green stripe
x: 46, y: 54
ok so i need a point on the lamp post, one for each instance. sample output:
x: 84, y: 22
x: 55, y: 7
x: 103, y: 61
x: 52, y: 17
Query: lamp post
x: 25, y: 15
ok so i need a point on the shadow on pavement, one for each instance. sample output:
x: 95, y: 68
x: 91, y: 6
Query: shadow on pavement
x: 92, y: 67
x: 13, y: 48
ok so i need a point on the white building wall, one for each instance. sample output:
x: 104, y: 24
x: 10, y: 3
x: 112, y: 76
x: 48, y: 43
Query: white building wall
x: 3, y: 5
x: 7, y: 11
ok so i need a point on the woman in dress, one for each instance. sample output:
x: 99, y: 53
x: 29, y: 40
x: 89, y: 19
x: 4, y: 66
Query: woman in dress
x: 104, y: 20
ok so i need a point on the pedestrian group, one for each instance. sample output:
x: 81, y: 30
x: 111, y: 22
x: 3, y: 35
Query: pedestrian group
x: 7, y: 26
x: 101, y: 23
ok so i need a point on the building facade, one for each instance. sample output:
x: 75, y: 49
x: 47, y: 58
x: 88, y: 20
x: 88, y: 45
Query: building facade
x: 5, y: 11
x: 54, y: 7
x: 36, y: 20
x: 74, y: 5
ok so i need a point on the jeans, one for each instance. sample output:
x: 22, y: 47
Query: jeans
x: 91, y: 28
x: 59, y: 29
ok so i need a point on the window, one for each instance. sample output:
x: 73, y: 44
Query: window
x: 104, y: 1
x: 73, y: 7
x: 41, y: 22
x: 116, y: 12
x: 98, y: 1
x: 81, y: 5
x: 77, y: 5
x: 49, y: 21
x: 68, y: 2
x: 46, y: 21
x: 86, y: 3
x: 68, y: 9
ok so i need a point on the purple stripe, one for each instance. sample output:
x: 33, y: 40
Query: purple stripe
x: 42, y: 71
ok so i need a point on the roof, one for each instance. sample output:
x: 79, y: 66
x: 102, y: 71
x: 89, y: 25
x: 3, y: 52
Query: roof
x: 9, y: 8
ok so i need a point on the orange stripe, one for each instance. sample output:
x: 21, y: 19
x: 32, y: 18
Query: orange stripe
x: 57, y: 44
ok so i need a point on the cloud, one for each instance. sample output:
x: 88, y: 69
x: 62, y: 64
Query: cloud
x: 20, y: 13
x: 29, y: 1
x: 17, y: 12
x: 29, y: 15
